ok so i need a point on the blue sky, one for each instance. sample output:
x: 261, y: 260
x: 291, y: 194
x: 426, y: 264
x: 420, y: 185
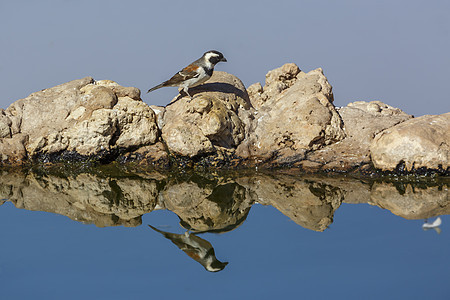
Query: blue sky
x: 393, y: 51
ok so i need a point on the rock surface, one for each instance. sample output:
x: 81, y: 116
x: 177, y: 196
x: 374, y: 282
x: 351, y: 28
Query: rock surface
x: 215, y: 118
x: 362, y: 121
x: 83, y: 116
x: 295, y: 116
x: 289, y: 122
x: 423, y: 142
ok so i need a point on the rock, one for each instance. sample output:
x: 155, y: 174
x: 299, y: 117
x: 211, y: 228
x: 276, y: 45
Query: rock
x: 215, y: 118
x: 277, y: 81
x: 362, y: 121
x: 44, y: 112
x: 290, y: 122
x: 255, y: 93
x: 159, y: 112
x: 155, y: 155
x: 136, y: 123
x: 423, y: 142
x: 85, y: 117
x: 5, y: 125
x: 13, y: 150
x: 298, y: 116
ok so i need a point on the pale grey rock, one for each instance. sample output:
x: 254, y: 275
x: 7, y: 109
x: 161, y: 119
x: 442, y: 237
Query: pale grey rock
x: 136, y: 123
x: 297, y: 116
x: 83, y: 116
x: 5, y: 125
x: 159, y: 112
x: 362, y: 121
x: 277, y: 80
x: 12, y: 150
x: 291, y: 121
x: 419, y: 142
x: 215, y: 118
x: 44, y: 112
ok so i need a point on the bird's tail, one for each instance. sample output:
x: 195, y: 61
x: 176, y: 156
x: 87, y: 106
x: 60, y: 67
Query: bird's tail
x: 156, y: 87
x: 156, y: 229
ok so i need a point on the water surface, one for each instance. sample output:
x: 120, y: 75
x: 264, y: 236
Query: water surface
x: 222, y: 235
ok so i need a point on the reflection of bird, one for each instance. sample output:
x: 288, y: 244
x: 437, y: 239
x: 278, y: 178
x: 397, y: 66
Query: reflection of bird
x: 197, y: 248
x: 196, y: 73
x: 435, y: 225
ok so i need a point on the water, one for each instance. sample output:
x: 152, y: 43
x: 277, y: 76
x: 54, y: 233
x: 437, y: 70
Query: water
x: 86, y: 235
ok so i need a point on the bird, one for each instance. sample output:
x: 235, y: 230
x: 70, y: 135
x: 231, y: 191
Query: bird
x: 197, y: 248
x: 435, y: 225
x: 194, y: 74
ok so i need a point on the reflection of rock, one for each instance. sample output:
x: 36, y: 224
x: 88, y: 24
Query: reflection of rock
x: 210, y: 207
x: 196, y: 248
x: 212, y: 202
x: 411, y: 201
x: 86, y: 198
x: 309, y: 203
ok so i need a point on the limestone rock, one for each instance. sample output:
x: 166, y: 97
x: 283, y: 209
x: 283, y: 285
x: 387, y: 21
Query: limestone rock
x: 44, y: 112
x: 136, y: 123
x: 12, y: 150
x: 155, y: 155
x: 5, y: 125
x: 216, y: 117
x: 298, y: 116
x: 289, y: 122
x: 83, y: 116
x: 362, y: 121
x: 419, y: 142
x: 159, y: 112
x: 277, y: 81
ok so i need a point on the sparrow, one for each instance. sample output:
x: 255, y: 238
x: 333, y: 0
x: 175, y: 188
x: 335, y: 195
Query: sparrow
x: 197, y: 248
x: 195, y: 74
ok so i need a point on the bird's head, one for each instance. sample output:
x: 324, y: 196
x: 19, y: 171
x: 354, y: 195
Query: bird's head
x: 213, y: 57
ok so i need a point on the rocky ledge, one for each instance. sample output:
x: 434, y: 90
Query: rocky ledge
x: 291, y: 122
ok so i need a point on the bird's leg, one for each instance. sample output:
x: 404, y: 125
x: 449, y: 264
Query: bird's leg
x: 187, y: 93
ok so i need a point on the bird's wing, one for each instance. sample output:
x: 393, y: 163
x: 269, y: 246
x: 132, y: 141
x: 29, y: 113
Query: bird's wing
x: 437, y: 222
x: 191, y: 71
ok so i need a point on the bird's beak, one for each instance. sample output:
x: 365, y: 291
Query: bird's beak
x: 224, y: 59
